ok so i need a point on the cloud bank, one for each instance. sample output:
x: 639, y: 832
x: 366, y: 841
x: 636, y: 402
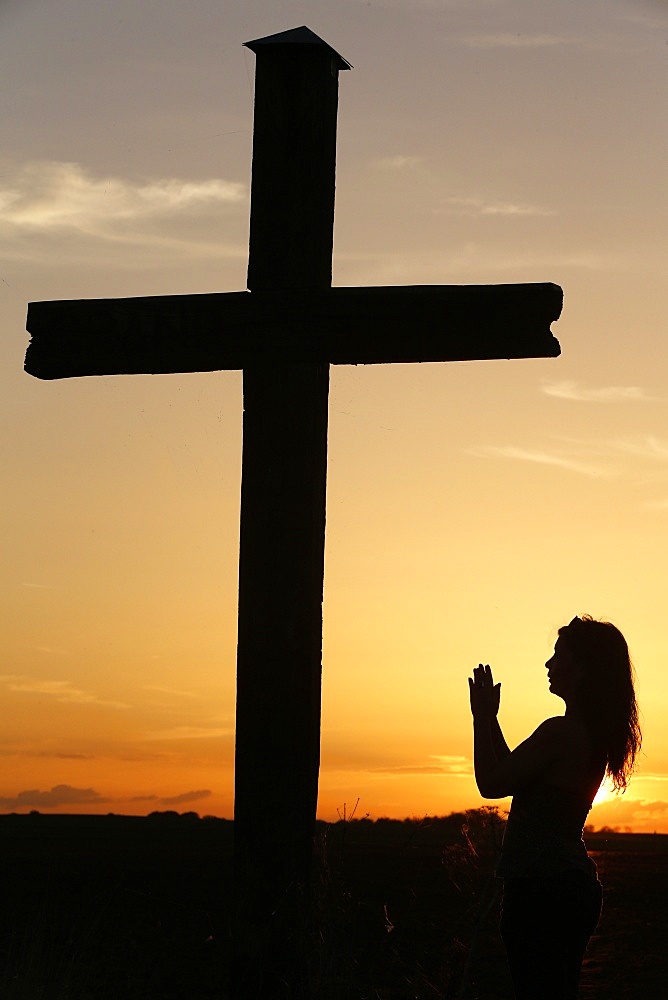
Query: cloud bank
x: 59, y: 795
x: 68, y: 795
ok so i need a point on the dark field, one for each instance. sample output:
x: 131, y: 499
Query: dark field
x: 122, y: 908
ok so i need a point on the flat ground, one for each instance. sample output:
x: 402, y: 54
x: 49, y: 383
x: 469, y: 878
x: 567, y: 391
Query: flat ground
x: 103, y: 908
x: 628, y: 955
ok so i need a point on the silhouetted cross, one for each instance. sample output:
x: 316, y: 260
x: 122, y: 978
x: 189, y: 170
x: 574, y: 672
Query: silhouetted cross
x: 284, y: 332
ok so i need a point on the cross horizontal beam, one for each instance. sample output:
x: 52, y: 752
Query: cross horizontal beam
x: 233, y: 330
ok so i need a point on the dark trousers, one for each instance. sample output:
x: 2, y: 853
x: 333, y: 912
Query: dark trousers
x: 545, y: 925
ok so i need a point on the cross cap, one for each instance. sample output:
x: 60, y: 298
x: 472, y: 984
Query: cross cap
x: 298, y: 37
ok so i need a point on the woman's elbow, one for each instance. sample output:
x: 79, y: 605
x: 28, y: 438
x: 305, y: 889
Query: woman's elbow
x: 490, y: 788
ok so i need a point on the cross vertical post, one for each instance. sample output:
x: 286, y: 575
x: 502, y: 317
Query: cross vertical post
x: 284, y: 468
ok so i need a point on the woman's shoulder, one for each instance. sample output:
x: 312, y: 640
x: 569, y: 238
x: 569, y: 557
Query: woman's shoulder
x: 554, y: 728
x: 564, y: 739
x: 564, y: 727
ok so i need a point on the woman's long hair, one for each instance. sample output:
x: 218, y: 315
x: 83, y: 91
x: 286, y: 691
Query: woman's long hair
x: 607, y: 694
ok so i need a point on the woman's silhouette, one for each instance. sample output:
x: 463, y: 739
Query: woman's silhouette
x: 552, y: 896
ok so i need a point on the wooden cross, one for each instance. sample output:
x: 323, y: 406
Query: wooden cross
x: 284, y: 332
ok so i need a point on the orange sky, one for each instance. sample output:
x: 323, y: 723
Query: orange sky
x: 472, y: 508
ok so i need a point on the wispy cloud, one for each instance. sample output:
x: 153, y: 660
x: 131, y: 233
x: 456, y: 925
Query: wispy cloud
x: 516, y: 40
x: 629, y: 812
x: 191, y: 732
x: 62, y: 691
x: 195, y: 796
x: 572, y: 390
x: 472, y: 257
x: 174, y: 800
x: 46, y: 202
x: 472, y: 206
x: 417, y: 5
x: 580, y: 260
x: 47, y: 195
x: 172, y: 692
x: 645, y: 446
x: 546, y: 458
x: 656, y: 504
x: 59, y: 795
x: 399, y: 162
x: 451, y: 765
x: 640, y: 458
x: 455, y: 763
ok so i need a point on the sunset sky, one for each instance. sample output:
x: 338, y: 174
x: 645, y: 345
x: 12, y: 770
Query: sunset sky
x: 473, y: 508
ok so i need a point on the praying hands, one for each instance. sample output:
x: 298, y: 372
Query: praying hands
x: 485, y: 694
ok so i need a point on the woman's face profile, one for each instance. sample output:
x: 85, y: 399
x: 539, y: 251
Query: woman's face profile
x: 563, y: 673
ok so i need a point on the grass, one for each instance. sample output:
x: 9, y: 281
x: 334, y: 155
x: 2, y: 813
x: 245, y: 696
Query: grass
x: 405, y: 906
x: 104, y: 908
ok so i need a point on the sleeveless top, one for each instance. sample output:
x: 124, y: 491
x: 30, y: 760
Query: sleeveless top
x: 543, y: 836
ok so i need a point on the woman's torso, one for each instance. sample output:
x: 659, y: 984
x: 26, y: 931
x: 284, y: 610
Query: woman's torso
x: 543, y: 837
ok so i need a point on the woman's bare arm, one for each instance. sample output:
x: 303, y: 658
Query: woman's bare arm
x: 489, y: 745
x: 498, y: 770
x: 501, y: 748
